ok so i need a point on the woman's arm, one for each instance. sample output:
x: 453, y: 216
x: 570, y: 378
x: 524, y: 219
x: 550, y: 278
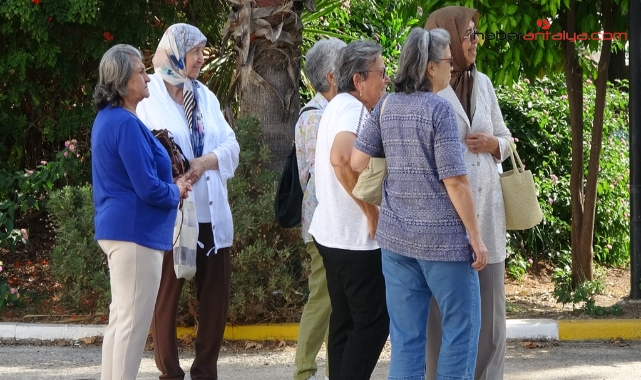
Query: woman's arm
x: 359, y: 160
x: 340, y: 156
x: 460, y: 192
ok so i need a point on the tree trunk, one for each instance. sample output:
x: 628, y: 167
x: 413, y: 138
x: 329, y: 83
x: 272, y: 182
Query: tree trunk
x: 267, y: 35
x: 574, y: 81
x: 584, y: 198
x: 601, y: 83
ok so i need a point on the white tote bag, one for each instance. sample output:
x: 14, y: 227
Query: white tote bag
x: 186, y: 239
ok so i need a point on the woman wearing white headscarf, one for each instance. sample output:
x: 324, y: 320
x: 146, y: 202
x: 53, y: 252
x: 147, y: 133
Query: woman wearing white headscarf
x: 191, y: 112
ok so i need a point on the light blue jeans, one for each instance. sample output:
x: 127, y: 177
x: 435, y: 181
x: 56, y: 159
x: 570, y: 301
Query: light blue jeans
x: 409, y: 284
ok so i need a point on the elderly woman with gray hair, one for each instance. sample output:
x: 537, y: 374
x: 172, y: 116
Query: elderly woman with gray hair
x: 320, y: 62
x: 135, y: 201
x: 343, y: 227
x: 428, y: 232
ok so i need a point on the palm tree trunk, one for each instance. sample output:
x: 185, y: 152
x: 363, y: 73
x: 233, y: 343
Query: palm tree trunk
x: 267, y: 35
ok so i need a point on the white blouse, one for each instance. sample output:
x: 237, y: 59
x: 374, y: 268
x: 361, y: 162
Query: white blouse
x: 481, y: 167
x: 158, y: 112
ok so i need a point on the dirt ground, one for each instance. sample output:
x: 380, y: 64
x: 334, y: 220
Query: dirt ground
x: 532, y: 297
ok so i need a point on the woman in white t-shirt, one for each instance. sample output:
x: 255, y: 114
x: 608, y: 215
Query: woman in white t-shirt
x: 343, y: 227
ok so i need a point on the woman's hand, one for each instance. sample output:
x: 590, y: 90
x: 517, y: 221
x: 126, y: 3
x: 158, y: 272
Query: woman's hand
x: 483, y: 142
x: 184, y: 186
x: 198, y: 166
x: 480, y: 252
x: 372, y: 221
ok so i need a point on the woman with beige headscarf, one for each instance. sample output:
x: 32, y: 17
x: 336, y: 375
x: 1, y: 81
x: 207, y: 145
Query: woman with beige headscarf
x: 483, y: 132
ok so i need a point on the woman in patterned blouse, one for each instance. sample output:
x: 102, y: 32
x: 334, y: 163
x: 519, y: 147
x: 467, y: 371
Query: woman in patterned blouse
x: 427, y: 230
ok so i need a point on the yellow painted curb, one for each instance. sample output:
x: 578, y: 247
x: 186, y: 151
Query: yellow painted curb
x: 628, y: 329
x: 276, y: 331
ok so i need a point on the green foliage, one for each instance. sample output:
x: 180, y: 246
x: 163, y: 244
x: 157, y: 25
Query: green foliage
x: 48, y: 67
x: 516, y: 265
x: 78, y: 264
x: 268, y: 275
x: 506, y: 60
x: 22, y: 192
x: 9, y: 296
x: 387, y: 23
x: 583, y: 294
x: 537, y: 114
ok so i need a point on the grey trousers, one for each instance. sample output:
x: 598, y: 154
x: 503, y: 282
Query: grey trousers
x: 491, y: 354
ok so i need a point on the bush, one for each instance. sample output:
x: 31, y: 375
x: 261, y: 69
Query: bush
x: 537, y: 114
x: 78, y: 264
x: 268, y: 275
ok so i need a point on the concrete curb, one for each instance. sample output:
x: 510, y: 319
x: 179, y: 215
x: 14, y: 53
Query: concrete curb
x: 520, y: 329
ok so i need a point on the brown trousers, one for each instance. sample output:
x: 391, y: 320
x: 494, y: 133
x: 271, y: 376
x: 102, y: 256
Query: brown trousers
x: 213, y: 281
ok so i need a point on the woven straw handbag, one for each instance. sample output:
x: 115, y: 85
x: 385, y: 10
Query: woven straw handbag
x: 369, y: 187
x: 522, y: 210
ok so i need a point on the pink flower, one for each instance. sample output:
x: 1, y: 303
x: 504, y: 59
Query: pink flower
x: 526, y: 81
x: 530, y: 261
x: 588, y: 81
x: 546, y: 91
x: 609, y: 247
x: 65, y: 154
x: 555, y: 179
x: 67, y: 144
x: 43, y: 162
x: 551, y: 201
x: 13, y: 291
x: 29, y: 172
x: 25, y: 234
x: 72, y: 147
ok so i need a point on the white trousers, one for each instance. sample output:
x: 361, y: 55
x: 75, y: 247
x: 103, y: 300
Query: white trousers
x: 134, y: 275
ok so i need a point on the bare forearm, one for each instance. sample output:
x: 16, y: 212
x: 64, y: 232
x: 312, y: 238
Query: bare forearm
x: 460, y: 193
x: 348, y: 178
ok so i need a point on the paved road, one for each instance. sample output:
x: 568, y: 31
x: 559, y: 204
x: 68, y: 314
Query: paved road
x: 546, y: 360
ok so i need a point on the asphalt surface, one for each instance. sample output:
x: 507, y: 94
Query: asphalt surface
x: 524, y: 361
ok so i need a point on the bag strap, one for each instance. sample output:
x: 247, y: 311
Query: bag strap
x: 513, y: 153
x: 380, y: 115
x: 307, y: 108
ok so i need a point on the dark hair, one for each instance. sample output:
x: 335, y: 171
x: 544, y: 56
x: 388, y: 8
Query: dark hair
x: 116, y: 68
x: 420, y: 48
x: 355, y: 58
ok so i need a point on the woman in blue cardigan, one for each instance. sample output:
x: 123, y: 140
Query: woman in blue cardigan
x: 136, y: 200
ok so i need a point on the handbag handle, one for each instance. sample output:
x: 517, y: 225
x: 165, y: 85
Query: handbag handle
x: 513, y: 152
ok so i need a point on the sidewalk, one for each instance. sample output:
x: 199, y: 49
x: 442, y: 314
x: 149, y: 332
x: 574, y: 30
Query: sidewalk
x: 522, y: 329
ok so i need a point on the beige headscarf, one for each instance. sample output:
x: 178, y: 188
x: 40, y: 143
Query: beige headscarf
x: 456, y: 20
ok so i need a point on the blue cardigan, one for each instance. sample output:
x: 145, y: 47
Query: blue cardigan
x: 133, y: 191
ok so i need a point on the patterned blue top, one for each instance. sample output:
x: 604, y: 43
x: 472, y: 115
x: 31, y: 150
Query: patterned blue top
x: 418, y: 135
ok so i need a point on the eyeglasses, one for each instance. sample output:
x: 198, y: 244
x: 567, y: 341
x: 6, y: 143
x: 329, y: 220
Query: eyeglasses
x: 471, y: 34
x: 382, y: 73
x: 450, y: 60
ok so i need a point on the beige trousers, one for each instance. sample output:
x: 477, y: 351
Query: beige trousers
x: 134, y: 275
x: 490, y: 360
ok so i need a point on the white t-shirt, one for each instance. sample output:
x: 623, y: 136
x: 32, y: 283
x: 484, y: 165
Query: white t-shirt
x: 338, y: 222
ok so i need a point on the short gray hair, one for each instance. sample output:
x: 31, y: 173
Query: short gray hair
x: 421, y: 47
x: 320, y: 60
x: 116, y: 68
x: 355, y: 58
